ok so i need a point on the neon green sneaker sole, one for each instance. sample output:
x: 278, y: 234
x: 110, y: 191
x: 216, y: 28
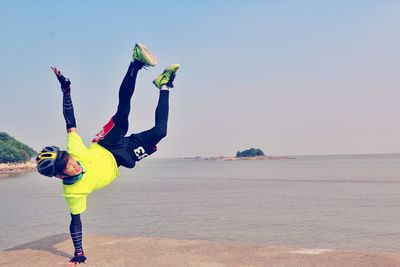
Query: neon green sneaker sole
x: 143, y: 55
x: 166, y: 77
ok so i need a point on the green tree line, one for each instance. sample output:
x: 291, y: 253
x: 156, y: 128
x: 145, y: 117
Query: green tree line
x: 252, y: 152
x: 13, y: 151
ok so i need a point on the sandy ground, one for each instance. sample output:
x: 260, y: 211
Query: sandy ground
x: 138, y: 251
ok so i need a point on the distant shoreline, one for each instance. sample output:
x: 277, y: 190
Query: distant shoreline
x: 239, y: 158
x: 11, y: 168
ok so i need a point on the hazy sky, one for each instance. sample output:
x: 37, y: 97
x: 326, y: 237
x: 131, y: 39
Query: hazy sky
x: 289, y: 77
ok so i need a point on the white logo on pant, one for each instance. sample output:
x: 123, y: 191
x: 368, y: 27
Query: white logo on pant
x: 140, y: 153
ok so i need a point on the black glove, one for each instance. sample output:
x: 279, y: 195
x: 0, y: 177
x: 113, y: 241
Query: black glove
x: 78, y: 258
x: 65, y: 84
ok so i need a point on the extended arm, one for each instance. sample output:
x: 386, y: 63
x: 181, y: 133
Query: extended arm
x: 68, y: 109
x: 75, y: 228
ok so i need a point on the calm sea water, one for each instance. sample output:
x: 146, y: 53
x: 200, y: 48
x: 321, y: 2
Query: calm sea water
x: 347, y: 202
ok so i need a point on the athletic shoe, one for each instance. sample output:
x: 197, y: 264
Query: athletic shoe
x: 167, y: 77
x: 143, y: 55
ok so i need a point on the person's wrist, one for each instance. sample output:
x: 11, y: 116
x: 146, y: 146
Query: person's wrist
x: 79, y: 252
x: 66, y: 90
x: 65, y: 82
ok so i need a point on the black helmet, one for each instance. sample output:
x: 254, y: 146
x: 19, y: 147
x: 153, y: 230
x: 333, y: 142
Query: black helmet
x: 46, y: 160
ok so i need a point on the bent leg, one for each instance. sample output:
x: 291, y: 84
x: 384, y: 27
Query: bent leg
x: 162, y: 111
x: 151, y: 137
x: 145, y: 143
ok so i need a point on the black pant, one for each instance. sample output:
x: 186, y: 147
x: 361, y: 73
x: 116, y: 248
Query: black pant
x: 129, y: 149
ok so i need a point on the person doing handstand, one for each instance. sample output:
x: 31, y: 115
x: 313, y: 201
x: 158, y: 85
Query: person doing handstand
x: 86, y: 169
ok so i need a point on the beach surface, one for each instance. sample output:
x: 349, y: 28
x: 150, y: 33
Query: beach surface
x: 102, y: 250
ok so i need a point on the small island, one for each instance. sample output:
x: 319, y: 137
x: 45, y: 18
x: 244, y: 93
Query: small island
x: 251, y: 152
x: 15, y: 156
x: 248, y: 154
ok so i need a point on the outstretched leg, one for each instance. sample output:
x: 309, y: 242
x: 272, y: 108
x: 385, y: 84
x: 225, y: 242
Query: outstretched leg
x: 125, y: 94
x: 117, y: 127
x: 114, y: 131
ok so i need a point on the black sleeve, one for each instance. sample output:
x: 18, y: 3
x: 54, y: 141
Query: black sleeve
x: 75, y: 229
x: 68, y: 111
x: 68, y: 108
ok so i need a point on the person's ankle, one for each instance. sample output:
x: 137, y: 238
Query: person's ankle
x: 137, y: 64
x: 164, y: 87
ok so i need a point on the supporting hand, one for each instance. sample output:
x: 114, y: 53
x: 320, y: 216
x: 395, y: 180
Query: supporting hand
x: 78, y: 258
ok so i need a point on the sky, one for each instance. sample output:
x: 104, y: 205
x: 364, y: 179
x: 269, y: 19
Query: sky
x: 288, y: 77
